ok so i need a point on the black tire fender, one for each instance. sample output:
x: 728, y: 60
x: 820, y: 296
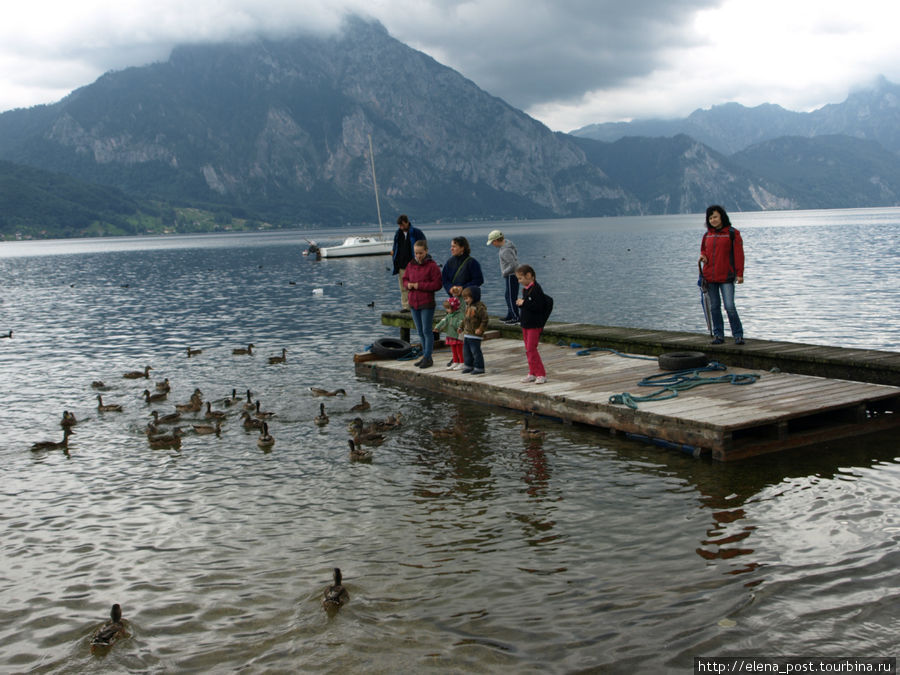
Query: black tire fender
x: 682, y: 360
x: 390, y: 348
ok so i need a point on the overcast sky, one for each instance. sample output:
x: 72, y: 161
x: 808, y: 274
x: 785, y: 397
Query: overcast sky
x: 568, y: 63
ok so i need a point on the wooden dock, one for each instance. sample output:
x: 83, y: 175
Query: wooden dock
x: 779, y: 411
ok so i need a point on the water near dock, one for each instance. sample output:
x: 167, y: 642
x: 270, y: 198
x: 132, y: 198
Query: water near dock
x: 489, y: 553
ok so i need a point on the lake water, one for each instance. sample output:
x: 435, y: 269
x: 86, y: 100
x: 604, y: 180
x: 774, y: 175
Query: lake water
x: 583, y: 553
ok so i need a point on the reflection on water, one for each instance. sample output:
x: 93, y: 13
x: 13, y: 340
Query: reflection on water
x: 576, y: 552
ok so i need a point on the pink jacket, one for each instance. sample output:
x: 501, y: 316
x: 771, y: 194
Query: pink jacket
x: 428, y: 276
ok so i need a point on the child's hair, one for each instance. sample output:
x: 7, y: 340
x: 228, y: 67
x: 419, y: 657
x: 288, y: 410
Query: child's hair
x: 466, y: 292
x: 421, y: 243
x: 525, y: 270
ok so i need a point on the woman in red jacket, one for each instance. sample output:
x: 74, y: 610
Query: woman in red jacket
x: 422, y: 279
x: 722, y: 255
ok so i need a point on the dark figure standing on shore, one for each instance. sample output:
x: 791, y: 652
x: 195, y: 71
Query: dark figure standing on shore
x: 461, y: 270
x: 722, y: 256
x: 402, y: 253
x: 509, y: 261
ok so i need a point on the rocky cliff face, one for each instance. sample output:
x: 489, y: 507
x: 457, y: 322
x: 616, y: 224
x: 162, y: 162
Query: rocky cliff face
x: 280, y: 129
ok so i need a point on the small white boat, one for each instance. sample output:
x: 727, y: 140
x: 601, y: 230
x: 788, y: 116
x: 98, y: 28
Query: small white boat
x: 356, y: 245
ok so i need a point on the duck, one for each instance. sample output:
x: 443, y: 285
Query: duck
x: 171, y: 418
x: 321, y: 419
x: 68, y: 420
x: 193, y: 352
x: 249, y: 405
x: 54, y: 445
x: 230, y: 401
x: 163, y: 441
x: 265, y: 439
x: 250, y: 422
x: 155, y: 397
x: 279, y: 359
x: 531, y: 432
x: 204, y: 429
x: 262, y: 414
x: 137, y: 374
x: 362, y: 406
x: 241, y: 350
x: 213, y: 414
x: 8, y: 335
x: 164, y: 386
x: 357, y: 452
x: 335, y: 595
x: 111, y: 631
x: 99, y: 385
x: 193, y: 405
x: 362, y: 433
x: 107, y: 407
x: 456, y: 431
x: 318, y: 391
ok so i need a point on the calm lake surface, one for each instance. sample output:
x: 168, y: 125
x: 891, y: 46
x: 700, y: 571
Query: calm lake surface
x: 583, y: 553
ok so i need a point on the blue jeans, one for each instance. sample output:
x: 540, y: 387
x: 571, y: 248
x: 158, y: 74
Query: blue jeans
x: 472, y: 356
x: 424, y: 320
x: 511, y: 293
x: 715, y: 308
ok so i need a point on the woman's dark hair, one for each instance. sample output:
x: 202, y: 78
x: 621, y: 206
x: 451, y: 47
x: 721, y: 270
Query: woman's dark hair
x: 526, y: 269
x: 726, y: 222
x: 463, y: 243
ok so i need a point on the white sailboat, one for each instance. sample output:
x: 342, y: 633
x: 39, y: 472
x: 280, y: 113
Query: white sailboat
x: 356, y: 245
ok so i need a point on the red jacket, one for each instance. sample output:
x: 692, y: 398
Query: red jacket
x: 428, y: 276
x: 724, y: 251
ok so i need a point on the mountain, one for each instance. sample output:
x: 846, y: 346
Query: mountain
x: 868, y: 114
x: 278, y: 130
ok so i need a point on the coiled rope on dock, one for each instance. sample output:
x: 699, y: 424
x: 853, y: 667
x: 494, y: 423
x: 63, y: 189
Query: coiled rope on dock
x: 680, y: 380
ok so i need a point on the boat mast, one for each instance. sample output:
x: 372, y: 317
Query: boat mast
x: 375, y: 185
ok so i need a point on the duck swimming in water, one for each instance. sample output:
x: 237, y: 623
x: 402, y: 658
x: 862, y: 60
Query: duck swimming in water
x: 250, y: 422
x: 362, y: 406
x: 241, y: 350
x: 107, y: 407
x: 193, y: 352
x: 171, y: 418
x: 137, y: 374
x: 528, y: 432
x: 213, y: 414
x: 204, y: 429
x: 318, y: 391
x: 279, y: 359
x: 54, y: 445
x: 321, y: 419
x: 335, y: 595
x: 357, y: 452
x: 68, y: 420
x: 155, y: 397
x: 265, y: 440
x: 165, y: 441
x: 111, y: 631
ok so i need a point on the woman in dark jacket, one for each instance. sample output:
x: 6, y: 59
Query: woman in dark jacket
x: 422, y: 279
x: 461, y: 270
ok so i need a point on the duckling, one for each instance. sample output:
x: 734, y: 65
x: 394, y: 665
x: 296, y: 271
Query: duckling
x: 111, y: 631
x: 335, y: 595
x: 249, y: 422
x: 240, y: 350
x: 358, y: 453
x: 107, y: 407
x: 362, y: 406
x: 213, y: 414
x: 530, y: 432
x: 171, y: 418
x: 137, y: 374
x: 204, y: 429
x: 54, y: 445
x: 265, y: 440
x: 164, y: 386
x: 165, y: 441
x: 321, y: 419
x: 262, y: 414
x: 68, y: 420
x: 193, y: 352
x: 155, y: 397
x: 279, y: 359
x: 318, y: 391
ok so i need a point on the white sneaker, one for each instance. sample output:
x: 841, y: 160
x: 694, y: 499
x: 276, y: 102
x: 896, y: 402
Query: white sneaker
x: 458, y: 366
x: 540, y: 380
x: 451, y: 366
x: 528, y: 378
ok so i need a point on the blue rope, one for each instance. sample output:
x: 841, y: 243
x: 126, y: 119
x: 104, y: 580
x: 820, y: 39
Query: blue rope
x: 585, y: 352
x: 671, y: 383
x: 414, y: 352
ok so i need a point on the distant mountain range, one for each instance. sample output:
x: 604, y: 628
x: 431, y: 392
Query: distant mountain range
x: 277, y: 131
